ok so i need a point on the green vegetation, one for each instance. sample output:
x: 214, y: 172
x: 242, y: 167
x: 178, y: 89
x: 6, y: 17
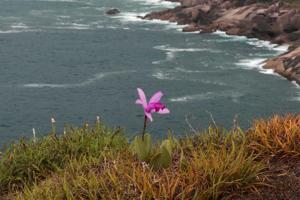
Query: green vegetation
x: 292, y: 2
x: 99, y: 163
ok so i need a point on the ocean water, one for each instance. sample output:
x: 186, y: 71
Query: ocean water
x: 68, y: 60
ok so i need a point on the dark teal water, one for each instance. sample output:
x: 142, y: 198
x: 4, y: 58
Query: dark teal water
x: 67, y: 59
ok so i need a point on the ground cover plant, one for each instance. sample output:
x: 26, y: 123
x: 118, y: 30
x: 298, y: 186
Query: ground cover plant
x: 95, y: 162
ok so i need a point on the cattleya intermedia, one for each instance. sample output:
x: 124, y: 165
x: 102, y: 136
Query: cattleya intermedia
x: 153, y: 106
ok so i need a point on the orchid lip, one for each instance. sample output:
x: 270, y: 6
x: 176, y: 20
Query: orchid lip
x: 155, y: 106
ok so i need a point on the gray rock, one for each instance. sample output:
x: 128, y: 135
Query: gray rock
x: 113, y: 11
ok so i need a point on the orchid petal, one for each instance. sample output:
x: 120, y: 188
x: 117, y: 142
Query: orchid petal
x: 156, y: 97
x: 142, y: 96
x: 138, y: 101
x: 164, y: 111
x: 149, y: 116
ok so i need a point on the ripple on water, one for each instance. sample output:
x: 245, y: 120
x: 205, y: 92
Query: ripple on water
x: 87, y: 82
x: 233, y: 95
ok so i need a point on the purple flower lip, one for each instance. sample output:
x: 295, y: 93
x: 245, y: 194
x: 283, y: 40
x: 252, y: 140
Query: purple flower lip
x: 155, y: 107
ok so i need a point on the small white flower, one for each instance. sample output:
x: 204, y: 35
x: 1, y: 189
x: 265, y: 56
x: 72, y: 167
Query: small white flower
x: 33, y: 132
x: 53, y: 120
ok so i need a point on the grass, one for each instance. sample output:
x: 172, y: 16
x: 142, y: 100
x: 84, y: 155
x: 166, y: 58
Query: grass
x: 28, y: 162
x: 278, y: 136
x: 99, y: 163
x: 292, y: 2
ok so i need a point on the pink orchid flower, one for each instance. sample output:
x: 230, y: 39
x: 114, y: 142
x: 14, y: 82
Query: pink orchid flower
x: 154, y: 104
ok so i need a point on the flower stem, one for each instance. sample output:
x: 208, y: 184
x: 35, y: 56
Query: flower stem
x: 145, y: 126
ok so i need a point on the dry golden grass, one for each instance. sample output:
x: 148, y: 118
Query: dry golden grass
x: 277, y: 136
x: 202, y: 168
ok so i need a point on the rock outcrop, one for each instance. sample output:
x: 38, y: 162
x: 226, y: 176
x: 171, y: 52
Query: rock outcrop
x: 275, y: 22
x: 288, y: 65
x: 113, y: 11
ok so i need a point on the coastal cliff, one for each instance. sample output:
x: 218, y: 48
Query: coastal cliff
x: 276, y: 22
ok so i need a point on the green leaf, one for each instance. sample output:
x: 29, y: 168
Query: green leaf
x: 143, y: 147
x: 182, y: 161
x: 162, y: 159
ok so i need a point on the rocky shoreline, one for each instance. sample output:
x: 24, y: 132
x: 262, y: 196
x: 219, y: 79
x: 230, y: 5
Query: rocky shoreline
x: 276, y: 22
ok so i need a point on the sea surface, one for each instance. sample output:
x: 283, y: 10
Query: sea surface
x: 67, y: 59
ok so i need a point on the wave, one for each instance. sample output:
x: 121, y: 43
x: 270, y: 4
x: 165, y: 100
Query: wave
x: 173, y: 49
x: 209, y: 82
x: 163, y: 76
x: 19, y: 31
x: 255, y: 63
x: 298, y: 93
x: 295, y: 84
x: 75, y: 26
x: 126, y: 17
x: 87, y: 82
x: 252, y: 41
x: 267, y: 44
x: 171, y: 52
x: 229, y: 37
x: 19, y: 26
x: 63, y: 17
x: 172, y: 75
x: 135, y: 17
x: 189, y: 71
x: 166, y: 4
x: 233, y: 95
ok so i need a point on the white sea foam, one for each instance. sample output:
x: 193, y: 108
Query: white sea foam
x: 189, y: 71
x: 19, y: 26
x: 75, y: 26
x: 255, y: 63
x: 163, y: 75
x: 282, y: 48
x: 133, y: 17
x: 19, y: 31
x: 87, y: 82
x: 267, y: 44
x: 233, y: 95
x: 230, y: 37
x: 171, y: 75
x: 295, y: 84
x: 129, y: 17
x: 297, y: 98
x: 253, y: 41
x: 172, y: 49
x: 163, y: 3
x: 173, y: 25
x: 170, y: 55
x: 63, y: 17
x: 171, y: 52
x: 11, y: 31
x: 210, y: 82
x: 298, y: 93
